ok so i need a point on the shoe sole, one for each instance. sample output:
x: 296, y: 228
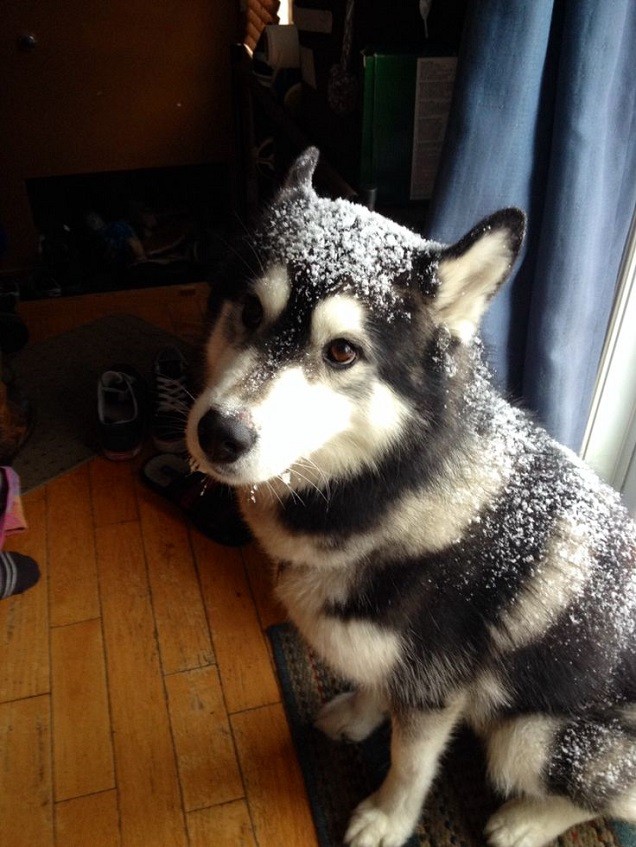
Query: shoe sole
x: 122, y: 456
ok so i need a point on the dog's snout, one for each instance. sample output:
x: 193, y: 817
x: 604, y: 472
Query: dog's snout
x: 223, y: 438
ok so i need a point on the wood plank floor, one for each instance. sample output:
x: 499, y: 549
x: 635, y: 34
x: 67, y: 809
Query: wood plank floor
x: 138, y: 701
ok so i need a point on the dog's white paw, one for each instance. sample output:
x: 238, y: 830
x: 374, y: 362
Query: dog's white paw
x: 348, y: 717
x: 371, y: 827
x: 518, y: 824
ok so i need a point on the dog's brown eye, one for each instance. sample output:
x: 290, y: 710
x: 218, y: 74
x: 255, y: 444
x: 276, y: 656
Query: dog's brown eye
x: 340, y: 353
x: 252, y: 313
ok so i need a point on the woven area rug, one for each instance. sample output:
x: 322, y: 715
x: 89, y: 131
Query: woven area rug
x: 59, y: 377
x: 338, y: 776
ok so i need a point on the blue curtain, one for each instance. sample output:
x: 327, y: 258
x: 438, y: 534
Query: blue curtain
x: 543, y: 118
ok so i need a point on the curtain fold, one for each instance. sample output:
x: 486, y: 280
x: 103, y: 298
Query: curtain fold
x: 543, y: 118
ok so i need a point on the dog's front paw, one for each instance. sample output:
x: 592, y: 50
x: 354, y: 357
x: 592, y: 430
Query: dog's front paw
x: 371, y: 827
x: 351, y: 716
x: 518, y: 824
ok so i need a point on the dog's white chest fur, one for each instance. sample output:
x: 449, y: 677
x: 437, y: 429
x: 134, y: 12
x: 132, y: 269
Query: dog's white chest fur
x: 315, y: 578
x: 359, y: 650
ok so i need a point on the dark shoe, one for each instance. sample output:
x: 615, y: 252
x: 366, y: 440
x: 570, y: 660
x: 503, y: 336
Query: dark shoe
x: 210, y: 506
x: 17, y: 573
x: 121, y: 412
x: 172, y: 401
x: 13, y: 333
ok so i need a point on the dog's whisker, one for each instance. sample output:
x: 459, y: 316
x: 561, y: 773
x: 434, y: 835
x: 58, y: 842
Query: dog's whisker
x: 248, y: 240
x: 310, y: 465
x: 207, y: 482
x: 313, y: 484
x: 295, y: 494
x: 180, y: 413
x: 253, y: 249
x: 275, y: 493
x: 239, y: 255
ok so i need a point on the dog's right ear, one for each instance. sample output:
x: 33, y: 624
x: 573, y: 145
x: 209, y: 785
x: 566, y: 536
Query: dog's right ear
x: 300, y: 175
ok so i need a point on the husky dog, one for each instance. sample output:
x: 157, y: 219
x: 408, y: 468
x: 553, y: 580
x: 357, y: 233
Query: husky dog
x: 434, y: 545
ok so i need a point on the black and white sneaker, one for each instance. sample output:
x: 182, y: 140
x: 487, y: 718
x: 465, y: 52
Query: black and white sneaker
x: 172, y: 401
x: 121, y: 412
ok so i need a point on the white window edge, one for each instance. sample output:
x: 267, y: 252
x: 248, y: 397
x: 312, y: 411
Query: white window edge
x: 609, y: 444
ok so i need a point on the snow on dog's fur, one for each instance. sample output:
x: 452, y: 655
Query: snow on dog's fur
x: 433, y: 545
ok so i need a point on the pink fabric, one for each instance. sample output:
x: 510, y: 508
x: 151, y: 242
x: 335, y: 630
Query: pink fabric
x: 12, y: 518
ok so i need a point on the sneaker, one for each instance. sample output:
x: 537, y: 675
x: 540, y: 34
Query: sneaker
x: 121, y: 412
x: 172, y: 401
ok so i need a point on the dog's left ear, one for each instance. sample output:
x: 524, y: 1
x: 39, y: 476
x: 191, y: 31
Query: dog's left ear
x: 471, y: 271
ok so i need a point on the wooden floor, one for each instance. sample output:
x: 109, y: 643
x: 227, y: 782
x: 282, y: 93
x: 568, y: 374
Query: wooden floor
x: 138, y: 701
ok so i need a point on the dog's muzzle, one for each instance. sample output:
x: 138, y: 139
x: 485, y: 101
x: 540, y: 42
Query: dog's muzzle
x: 224, y: 438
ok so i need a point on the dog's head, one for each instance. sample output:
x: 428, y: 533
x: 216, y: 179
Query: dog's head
x: 335, y: 331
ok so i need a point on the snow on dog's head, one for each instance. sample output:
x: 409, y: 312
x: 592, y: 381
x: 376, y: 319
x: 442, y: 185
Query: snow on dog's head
x: 325, y: 334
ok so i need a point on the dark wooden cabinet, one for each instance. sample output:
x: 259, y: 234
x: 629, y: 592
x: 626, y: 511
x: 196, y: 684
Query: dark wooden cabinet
x: 108, y: 85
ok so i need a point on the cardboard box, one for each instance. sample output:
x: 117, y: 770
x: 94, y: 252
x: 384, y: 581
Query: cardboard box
x: 404, y: 114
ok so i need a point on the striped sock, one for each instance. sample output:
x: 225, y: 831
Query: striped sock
x: 17, y: 573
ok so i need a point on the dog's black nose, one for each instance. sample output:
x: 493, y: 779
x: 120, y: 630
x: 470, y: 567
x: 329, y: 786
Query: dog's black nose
x: 224, y: 439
